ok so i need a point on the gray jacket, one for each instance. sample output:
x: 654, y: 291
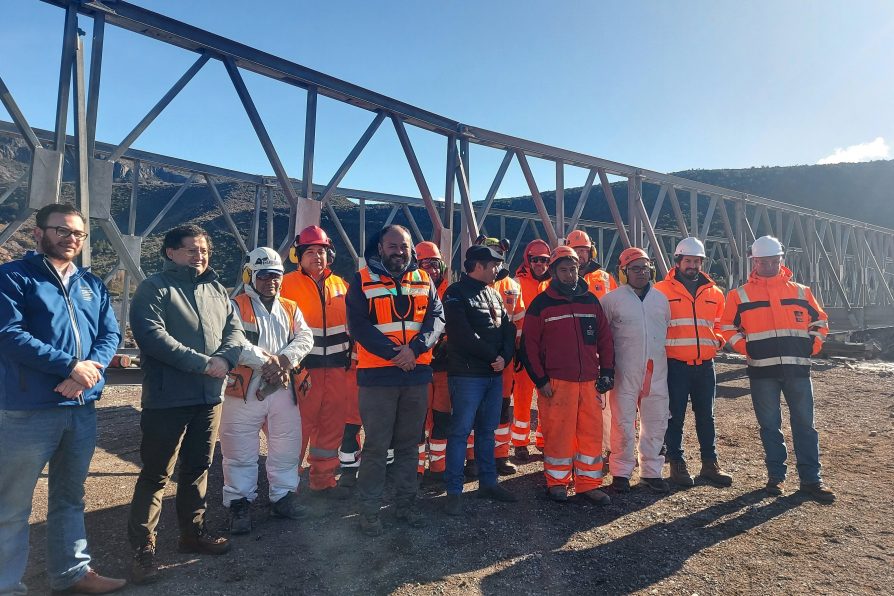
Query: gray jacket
x: 180, y: 320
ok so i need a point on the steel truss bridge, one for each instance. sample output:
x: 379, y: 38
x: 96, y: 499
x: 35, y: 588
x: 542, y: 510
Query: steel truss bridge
x: 848, y: 263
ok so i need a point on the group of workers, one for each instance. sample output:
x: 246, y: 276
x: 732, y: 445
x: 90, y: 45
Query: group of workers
x: 441, y: 377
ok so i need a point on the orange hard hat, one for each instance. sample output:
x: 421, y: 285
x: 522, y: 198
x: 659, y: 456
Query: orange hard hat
x: 577, y: 239
x: 562, y: 252
x: 628, y: 255
x: 536, y: 248
x: 427, y: 250
x: 312, y: 235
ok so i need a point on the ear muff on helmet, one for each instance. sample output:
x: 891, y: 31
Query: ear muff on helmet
x: 293, y: 255
x: 246, y: 275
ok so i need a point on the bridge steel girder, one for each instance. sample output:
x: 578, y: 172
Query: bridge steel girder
x: 871, y: 247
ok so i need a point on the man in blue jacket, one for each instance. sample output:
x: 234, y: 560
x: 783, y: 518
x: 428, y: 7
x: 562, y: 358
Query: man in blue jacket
x: 57, y: 334
x: 395, y: 316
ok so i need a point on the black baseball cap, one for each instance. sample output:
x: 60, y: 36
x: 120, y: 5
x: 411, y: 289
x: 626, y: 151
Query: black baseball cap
x: 483, y: 253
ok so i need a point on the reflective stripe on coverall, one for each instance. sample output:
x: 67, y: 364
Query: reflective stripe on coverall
x: 639, y: 329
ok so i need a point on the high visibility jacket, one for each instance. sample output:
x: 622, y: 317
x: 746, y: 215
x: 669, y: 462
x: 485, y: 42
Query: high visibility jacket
x: 399, y: 327
x: 439, y: 352
x: 510, y: 291
x: 693, y: 334
x: 530, y: 286
x: 600, y: 282
x: 323, y: 307
x: 281, y: 331
x: 776, y: 323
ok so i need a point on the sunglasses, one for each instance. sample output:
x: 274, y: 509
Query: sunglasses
x: 539, y: 259
x: 266, y: 275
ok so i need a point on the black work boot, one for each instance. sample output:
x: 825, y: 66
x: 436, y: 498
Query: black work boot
x: 522, y: 455
x: 505, y: 467
x: 240, y: 516
x: 471, y: 470
x: 289, y: 507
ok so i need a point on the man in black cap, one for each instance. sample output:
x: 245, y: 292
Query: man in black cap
x: 480, y: 343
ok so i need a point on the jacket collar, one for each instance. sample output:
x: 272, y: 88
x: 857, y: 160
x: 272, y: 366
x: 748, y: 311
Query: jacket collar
x: 784, y: 276
x: 42, y: 263
x: 703, y: 279
x: 471, y: 281
x: 188, y: 274
x: 580, y: 289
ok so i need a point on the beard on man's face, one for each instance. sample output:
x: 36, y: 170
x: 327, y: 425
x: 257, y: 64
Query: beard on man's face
x: 61, y: 252
x: 394, y: 263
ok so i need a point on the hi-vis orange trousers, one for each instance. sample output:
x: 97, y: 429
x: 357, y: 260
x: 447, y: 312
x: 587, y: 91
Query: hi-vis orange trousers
x: 522, y: 396
x: 437, y: 423
x: 572, y: 436
x: 323, y: 412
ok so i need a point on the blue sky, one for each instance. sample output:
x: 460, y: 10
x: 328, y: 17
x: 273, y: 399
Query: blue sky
x: 662, y: 85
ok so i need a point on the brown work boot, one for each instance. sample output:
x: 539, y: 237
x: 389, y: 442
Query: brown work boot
x: 818, y: 491
x: 94, y: 583
x: 679, y: 473
x: 596, y: 496
x: 774, y: 487
x: 712, y: 473
x: 201, y: 542
x: 143, y: 569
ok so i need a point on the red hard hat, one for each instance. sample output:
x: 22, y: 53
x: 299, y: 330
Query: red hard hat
x: 577, y: 239
x: 628, y: 255
x: 312, y: 235
x: 563, y: 252
x: 427, y: 250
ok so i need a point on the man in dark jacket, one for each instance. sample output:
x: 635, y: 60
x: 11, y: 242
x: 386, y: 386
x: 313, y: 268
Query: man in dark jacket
x: 569, y: 354
x: 57, y: 334
x: 480, y: 343
x: 189, y: 339
x: 395, y: 316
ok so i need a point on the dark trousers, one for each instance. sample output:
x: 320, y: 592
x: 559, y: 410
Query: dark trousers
x: 698, y: 382
x: 476, y: 405
x: 189, y: 433
x: 393, y: 417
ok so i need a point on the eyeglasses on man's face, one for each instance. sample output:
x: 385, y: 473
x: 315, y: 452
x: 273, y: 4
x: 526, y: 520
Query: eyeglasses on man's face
x: 639, y: 269
x: 64, y: 232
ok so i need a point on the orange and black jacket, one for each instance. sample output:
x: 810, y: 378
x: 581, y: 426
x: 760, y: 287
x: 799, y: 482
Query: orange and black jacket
x: 323, y: 307
x: 693, y: 335
x: 439, y: 352
x: 385, y: 311
x: 567, y: 337
x: 776, y: 323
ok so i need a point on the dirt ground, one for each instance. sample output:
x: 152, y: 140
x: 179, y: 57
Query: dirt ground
x: 702, y: 540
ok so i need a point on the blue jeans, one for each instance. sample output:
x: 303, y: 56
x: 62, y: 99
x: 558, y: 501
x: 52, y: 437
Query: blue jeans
x: 798, y: 392
x: 476, y: 403
x: 699, y: 383
x: 64, y: 437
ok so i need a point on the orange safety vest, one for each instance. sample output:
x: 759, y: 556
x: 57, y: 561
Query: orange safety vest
x: 239, y: 377
x: 776, y: 323
x: 400, y: 328
x: 511, y: 293
x: 600, y: 282
x: 324, y: 310
x: 693, y: 334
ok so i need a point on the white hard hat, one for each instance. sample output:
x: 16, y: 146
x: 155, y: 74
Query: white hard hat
x: 264, y: 259
x: 690, y: 247
x: 767, y: 246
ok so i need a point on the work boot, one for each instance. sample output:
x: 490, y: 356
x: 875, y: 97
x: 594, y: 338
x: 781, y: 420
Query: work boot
x: 336, y: 493
x: 454, y: 504
x: 289, y: 507
x: 411, y: 514
x: 819, y: 492
x: 597, y: 496
x: 658, y: 485
x: 679, y: 473
x: 505, y: 467
x: 522, y: 455
x: 496, y: 493
x: 559, y: 494
x: 93, y: 583
x: 620, y: 484
x: 433, y: 477
x: 201, y: 542
x: 712, y: 473
x: 143, y: 569
x: 370, y: 524
x: 348, y: 478
x: 471, y: 470
x: 774, y: 487
x: 240, y: 516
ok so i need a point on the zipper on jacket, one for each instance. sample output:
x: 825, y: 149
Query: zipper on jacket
x: 698, y: 345
x: 71, y: 313
x: 321, y: 290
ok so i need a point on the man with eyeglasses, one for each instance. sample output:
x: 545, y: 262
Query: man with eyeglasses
x: 189, y: 338
x: 57, y: 335
x: 480, y: 344
x: 639, y: 318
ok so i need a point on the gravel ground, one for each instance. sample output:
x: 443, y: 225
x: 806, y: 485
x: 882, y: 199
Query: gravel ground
x: 702, y: 540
